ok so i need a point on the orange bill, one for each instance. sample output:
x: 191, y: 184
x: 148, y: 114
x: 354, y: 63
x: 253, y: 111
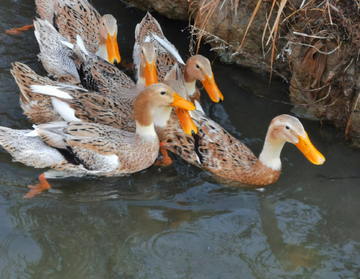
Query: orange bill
x: 182, y: 103
x: 112, y: 49
x: 309, y: 150
x: 150, y: 73
x: 187, y: 124
x: 212, y: 89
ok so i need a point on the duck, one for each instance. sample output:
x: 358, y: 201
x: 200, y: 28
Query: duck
x: 215, y: 150
x: 79, y: 18
x: 44, y: 100
x: 54, y: 53
x: 111, y: 90
x: 97, y: 75
x: 197, y: 67
x: 93, y: 148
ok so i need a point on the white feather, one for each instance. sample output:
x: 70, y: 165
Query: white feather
x: 33, y: 133
x: 198, y: 107
x: 80, y: 43
x: 102, y: 52
x: 147, y: 39
x: 198, y: 159
x: 146, y: 131
x: 170, y: 48
x: 112, y: 160
x: 50, y: 90
x: 64, y: 110
x: 68, y: 44
x: 37, y: 35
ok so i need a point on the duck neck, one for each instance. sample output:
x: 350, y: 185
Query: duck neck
x: 146, y: 132
x: 190, y: 82
x: 190, y: 87
x: 141, y: 77
x: 162, y: 116
x: 144, y: 117
x: 270, y: 155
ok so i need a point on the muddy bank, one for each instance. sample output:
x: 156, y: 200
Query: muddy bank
x: 316, y: 48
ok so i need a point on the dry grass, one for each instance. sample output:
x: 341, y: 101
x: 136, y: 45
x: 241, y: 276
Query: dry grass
x: 208, y: 8
x: 321, y: 31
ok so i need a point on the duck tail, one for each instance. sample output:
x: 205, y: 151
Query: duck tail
x: 28, y: 148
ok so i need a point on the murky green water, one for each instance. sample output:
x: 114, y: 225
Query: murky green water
x: 178, y: 222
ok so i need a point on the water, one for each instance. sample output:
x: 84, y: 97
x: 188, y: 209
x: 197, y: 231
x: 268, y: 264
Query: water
x: 178, y: 222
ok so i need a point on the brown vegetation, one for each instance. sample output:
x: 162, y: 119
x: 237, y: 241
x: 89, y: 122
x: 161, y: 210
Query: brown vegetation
x: 320, y: 40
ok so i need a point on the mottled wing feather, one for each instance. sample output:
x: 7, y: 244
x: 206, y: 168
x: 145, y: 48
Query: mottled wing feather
x: 145, y: 30
x: 213, y: 148
x: 45, y: 9
x: 80, y: 18
x: 111, y: 81
x: 96, y: 108
x: 37, y: 107
x: 146, y: 27
x: 54, y: 55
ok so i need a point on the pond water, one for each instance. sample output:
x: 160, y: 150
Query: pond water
x: 178, y: 222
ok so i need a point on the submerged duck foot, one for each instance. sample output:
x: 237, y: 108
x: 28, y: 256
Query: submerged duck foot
x: 18, y: 31
x: 38, y: 188
x: 166, y: 160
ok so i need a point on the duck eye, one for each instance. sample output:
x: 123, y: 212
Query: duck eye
x: 162, y: 92
x: 142, y: 51
x: 197, y: 66
x: 287, y: 128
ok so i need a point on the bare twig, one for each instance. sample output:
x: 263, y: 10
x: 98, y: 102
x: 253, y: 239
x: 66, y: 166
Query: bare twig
x: 326, y: 53
x: 311, y: 36
x: 251, y: 20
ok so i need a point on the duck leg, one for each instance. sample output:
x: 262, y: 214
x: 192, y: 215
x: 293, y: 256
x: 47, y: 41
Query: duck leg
x: 18, y: 31
x: 38, y: 188
x: 166, y: 160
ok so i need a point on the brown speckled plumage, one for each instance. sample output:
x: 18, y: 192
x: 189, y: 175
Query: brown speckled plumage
x: 37, y: 107
x: 93, y: 148
x: 88, y: 106
x: 215, y: 150
x: 98, y: 75
x: 165, y: 60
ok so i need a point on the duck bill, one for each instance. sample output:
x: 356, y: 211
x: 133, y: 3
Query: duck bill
x: 112, y: 49
x: 187, y: 124
x: 309, y: 150
x: 181, y: 103
x: 212, y: 89
x: 150, y: 73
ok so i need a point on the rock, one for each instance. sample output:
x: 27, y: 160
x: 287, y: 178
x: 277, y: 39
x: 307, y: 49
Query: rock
x: 174, y: 9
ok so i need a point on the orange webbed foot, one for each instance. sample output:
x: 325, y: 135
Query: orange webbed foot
x: 163, y: 162
x: 18, y: 31
x: 166, y: 160
x: 38, y: 188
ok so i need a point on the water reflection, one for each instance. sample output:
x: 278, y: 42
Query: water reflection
x: 261, y: 235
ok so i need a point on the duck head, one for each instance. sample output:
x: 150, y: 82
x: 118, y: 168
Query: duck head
x: 198, y: 68
x: 148, y: 58
x: 154, y: 99
x: 108, y: 39
x: 286, y: 128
